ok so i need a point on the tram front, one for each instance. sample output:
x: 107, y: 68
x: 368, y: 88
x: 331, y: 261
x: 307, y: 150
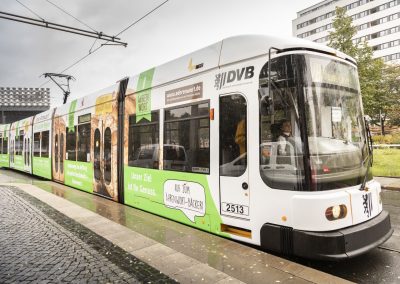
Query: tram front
x: 313, y: 143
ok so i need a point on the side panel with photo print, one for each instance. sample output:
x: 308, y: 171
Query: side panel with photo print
x: 104, y: 145
x: 21, y: 133
x: 58, y: 147
x: 42, y: 152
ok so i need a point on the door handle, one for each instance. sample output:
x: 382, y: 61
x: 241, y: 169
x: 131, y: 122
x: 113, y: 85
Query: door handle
x: 245, y: 185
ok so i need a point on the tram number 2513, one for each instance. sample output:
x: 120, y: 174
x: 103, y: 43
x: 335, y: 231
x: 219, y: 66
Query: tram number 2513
x: 235, y: 208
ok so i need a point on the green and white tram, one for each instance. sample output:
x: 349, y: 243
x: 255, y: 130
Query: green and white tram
x: 254, y: 138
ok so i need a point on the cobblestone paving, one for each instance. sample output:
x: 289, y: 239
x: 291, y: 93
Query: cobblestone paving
x: 39, y: 244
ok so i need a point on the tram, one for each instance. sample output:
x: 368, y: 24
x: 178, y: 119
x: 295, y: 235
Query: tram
x: 255, y: 138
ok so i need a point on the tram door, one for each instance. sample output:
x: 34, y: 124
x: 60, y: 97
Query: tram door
x: 102, y: 161
x: 58, y: 151
x: 234, y: 173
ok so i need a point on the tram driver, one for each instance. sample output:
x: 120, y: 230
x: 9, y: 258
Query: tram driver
x: 284, y: 138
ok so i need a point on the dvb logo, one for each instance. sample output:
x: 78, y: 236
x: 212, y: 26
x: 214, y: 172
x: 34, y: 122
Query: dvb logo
x: 232, y: 76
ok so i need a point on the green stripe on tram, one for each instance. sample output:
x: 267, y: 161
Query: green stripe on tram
x: 154, y: 191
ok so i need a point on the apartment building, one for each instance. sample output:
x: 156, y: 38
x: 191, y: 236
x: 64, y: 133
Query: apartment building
x: 377, y: 22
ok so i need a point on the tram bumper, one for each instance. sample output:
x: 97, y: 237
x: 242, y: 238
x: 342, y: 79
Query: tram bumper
x: 332, y: 245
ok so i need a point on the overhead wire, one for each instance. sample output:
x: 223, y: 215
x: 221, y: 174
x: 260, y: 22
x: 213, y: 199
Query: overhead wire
x: 66, y: 12
x: 137, y: 21
x: 90, y: 50
x: 30, y: 10
x: 122, y: 31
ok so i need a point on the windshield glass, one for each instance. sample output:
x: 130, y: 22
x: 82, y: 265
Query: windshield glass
x: 335, y: 123
x: 312, y: 130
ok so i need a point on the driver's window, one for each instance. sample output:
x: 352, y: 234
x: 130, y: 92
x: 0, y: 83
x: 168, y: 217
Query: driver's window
x: 281, y: 157
x: 233, y: 135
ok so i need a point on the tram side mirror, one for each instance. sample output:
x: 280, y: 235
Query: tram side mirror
x: 265, y: 102
x: 369, y: 138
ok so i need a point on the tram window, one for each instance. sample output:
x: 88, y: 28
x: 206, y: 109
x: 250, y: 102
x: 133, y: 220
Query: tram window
x: 44, y: 149
x: 24, y: 151
x: 21, y: 145
x: 84, y: 142
x: 187, y: 139
x: 36, y: 144
x: 281, y: 147
x: 18, y: 145
x: 96, y: 155
x: 143, y: 142
x: 107, y: 155
x: 5, y: 145
x: 233, y: 135
x: 12, y: 150
x: 28, y: 151
x: 71, y: 144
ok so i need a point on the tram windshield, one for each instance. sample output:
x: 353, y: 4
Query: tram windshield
x: 312, y: 129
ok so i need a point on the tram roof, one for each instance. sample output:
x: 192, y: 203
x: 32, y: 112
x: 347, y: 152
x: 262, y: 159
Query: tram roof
x: 228, y: 51
x: 246, y: 46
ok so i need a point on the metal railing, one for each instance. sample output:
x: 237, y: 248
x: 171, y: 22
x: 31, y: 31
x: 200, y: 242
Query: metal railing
x: 386, y: 145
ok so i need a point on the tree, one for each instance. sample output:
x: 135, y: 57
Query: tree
x: 391, y: 88
x: 341, y: 37
x: 370, y: 72
x: 379, y: 83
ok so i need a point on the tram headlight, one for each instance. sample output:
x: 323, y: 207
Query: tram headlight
x: 336, y: 212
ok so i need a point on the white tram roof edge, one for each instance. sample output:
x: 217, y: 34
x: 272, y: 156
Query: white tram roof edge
x: 246, y: 46
x: 228, y: 51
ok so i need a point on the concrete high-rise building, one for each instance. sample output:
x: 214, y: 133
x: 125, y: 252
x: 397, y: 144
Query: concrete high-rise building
x: 19, y: 103
x: 377, y: 22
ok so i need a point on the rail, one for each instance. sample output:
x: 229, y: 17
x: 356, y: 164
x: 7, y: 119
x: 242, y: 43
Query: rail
x: 386, y: 146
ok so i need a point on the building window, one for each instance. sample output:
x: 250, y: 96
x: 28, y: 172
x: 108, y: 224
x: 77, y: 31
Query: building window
x: 143, y: 142
x: 347, y: 7
x: 187, y: 139
x: 391, y: 57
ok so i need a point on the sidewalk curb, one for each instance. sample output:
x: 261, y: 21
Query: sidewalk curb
x: 390, y: 187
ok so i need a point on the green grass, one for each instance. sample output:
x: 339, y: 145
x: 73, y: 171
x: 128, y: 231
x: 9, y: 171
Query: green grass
x: 386, y: 162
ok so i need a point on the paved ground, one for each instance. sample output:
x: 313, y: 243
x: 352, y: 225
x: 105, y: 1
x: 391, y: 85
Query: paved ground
x: 52, y: 233
x: 132, y: 236
x: 36, y: 248
x: 389, y: 183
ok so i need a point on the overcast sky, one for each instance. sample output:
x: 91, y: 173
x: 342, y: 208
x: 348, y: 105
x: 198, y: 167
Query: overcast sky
x: 177, y: 28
